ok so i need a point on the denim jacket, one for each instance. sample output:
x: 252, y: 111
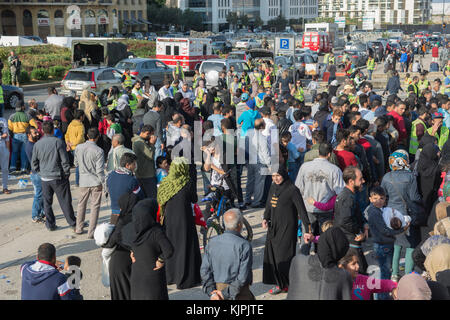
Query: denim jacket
x: 401, y: 189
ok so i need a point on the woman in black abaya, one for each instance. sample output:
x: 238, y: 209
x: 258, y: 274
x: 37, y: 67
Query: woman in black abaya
x: 176, y: 194
x: 150, y: 249
x: 120, y: 263
x: 283, y: 209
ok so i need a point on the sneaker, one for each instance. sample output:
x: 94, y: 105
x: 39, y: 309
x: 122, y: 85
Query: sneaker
x: 395, y: 278
x: 23, y: 171
x: 36, y: 220
x: 275, y: 290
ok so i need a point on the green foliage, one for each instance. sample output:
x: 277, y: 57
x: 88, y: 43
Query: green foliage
x: 279, y: 23
x: 57, y: 71
x: 6, y: 76
x: 141, y: 48
x: 258, y: 22
x: 183, y: 20
x: 232, y: 18
x: 40, y: 74
x: 244, y: 20
x: 24, y: 77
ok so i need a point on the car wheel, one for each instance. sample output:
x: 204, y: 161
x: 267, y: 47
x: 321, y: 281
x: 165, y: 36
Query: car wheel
x: 12, y: 100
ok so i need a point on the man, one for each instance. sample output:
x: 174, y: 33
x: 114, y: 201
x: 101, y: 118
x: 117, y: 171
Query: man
x: 33, y: 108
x: 144, y: 149
x: 319, y: 180
x: 178, y: 72
x: 37, y: 210
x: 371, y: 114
x: 18, y: 123
x: 399, y: 122
x: 418, y: 129
x: 165, y: 92
x: 187, y: 93
x: 371, y: 65
x: 346, y: 158
x: 14, y: 67
x: 226, y: 269
x: 347, y: 214
x: 153, y: 118
x: 89, y: 159
x: 437, y: 129
x: 116, y: 152
x: 41, y: 279
x: 122, y: 181
x: 51, y: 162
x: 318, y: 137
x: 393, y: 85
x: 126, y: 79
x: 403, y: 60
x: 52, y: 104
x: 4, y: 153
x: 414, y: 86
x: 174, y: 130
x: 2, y: 98
x: 423, y: 83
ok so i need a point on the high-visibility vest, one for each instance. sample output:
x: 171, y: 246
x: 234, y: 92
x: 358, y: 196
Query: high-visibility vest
x: 266, y: 81
x: 299, y: 94
x: 179, y: 71
x: 259, y: 102
x: 414, y: 142
x: 447, y: 67
x: 175, y: 90
x: 113, y: 105
x: 371, y: 64
x: 217, y: 99
x: 423, y: 85
x: 344, y: 57
x: 353, y: 99
x: 416, y: 89
x: 199, y: 97
x: 350, y: 71
x: 128, y: 82
x: 326, y: 58
x: 441, y: 139
x: 2, y: 100
x: 408, y: 81
x: 195, y: 84
x: 133, y: 102
x: 257, y: 77
x: 331, y: 60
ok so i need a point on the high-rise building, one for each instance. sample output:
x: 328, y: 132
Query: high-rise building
x: 215, y: 12
x: 384, y: 11
x: 72, y: 17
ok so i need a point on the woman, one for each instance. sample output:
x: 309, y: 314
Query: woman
x: 138, y: 115
x: 91, y: 112
x: 364, y: 286
x: 175, y: 196
x: 297, y: 91
x: 412, y: 287
x: 285, y: 84
x: 68, y: 107
x: 123, y: 111
x: 401, y: 188
x: 150, y: 93
x: 150, y: 249
x: 421, y: 252
x: 284, y: 207
x: 113, y: 97
x: 318, y: 277
x: 429, y: 175
x: 120, y: 263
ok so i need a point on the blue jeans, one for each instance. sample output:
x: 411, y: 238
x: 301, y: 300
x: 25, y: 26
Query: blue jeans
x: 384, y: 253
x: 18, y: 147
x: 158, y: 151
x: 77, y: 171
x: 37, y: 210
x: 370, y: 74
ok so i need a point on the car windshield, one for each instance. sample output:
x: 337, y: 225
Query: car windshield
x: 244, y: 40
x: 239, y: 66
x: 78, y: 76
x: 126, y: 65
x: 239, y: 56
x: 212, y: 66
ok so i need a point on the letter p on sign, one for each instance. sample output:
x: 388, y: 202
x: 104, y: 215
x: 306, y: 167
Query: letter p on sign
x: 284, y: 44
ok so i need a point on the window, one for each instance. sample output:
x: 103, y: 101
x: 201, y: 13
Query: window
x: 160, y: 65
x: 168, y: 50
x: 150, y: 65
x: 176, y: 50
x: 108, y: 75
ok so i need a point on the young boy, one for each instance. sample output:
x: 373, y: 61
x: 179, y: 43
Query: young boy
x: 74, y: 262
x: 300, y: 135
x: 292, y: 156
x: 216, y: 118
x: 383, y: 236
x: 313, y: 85
x: 113, y: 126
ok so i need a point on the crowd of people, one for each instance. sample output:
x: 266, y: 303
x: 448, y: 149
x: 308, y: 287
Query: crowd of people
x: 352, y: 171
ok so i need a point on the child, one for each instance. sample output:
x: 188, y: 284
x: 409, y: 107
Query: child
x: 313, y: 85
x: 395, y: 219
x: 408, y: 80
x: 113, y: 126
x: 293, y: 155
x: 305, y: 248
x: 74, y: 262
x: 300, y: 135
x: 364, y: 286
x: 57, y: 132
x: 163, y: 169
x: 383, y: 236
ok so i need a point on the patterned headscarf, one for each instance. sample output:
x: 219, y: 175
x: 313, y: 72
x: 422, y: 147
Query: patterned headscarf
x: 433, y: 242
x: 446, y: 191
x: 399, y: 160
x: 438, y: 260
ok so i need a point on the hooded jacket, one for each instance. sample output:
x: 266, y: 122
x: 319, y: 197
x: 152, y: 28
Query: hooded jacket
x: 42, y: 281
x: 75, y: 133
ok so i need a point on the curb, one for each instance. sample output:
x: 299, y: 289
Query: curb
x: 38, y: 86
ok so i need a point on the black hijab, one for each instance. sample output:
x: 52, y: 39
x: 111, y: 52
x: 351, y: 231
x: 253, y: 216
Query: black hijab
x: 428, y: 160
x: 144, y: 220
x: 332, y: 247
x: 126, y: 203
x: 446, y: 152
x: 278, y: 188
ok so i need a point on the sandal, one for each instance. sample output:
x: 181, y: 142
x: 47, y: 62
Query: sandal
x: 275, y: 290
x: 6, y: 191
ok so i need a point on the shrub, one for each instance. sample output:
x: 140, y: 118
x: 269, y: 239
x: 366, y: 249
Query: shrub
x: 6, y: 76
x: 24, y: 77
x: 40, y: 74
x: 57, y: 71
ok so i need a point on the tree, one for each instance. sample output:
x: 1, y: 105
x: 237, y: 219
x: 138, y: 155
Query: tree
x: 158, y: 3
x: 191, y: 20
x: 244, y: 20
x: 232, y: 19
x: 258, y: 22
x: 279, y: 23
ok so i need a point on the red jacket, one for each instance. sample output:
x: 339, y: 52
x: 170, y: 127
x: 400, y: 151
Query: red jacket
x: 435, y: 52
x: 103, y: 126
x: 399, y: 124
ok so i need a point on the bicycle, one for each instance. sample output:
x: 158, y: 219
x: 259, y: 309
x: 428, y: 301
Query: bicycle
x: 217, y: 204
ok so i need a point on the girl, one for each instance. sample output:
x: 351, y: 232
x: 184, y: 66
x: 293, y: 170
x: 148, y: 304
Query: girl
x: 163, y: 169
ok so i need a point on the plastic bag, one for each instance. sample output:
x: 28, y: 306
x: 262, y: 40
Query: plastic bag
x: 102, y: 233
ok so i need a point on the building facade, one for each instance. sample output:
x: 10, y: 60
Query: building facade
x: 72, y: 17
x: 384, y: 11
x: 215, y: 12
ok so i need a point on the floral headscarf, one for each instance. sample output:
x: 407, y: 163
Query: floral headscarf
x: 399, y: 160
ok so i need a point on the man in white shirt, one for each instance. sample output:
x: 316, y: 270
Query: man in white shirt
x: 164, y: 91
x: 187, y: 93
x: 265, y: 112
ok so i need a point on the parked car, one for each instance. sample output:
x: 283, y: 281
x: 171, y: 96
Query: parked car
x: 248, y: 43
x: 220, y: 43
x: 92, y: 78
x: 34, y: 38
x: 238, y: 55
x: 358, y: 58
x: 212, y: 67
x: 355, y: 46
x: 144, y: 68
x: 395, y: 39
x: 135, y: 35
x: 150, y: 36
x: 314, y: 54
x: 11, y: 95
x: 304, y: 65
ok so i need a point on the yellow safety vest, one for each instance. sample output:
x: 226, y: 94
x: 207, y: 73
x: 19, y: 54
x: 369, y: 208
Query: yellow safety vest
x: 128, y: 82
x: 331, y: 60
x: 326, y: 58
x: 408, y: 81
x: 299, y: 94
x: 2, y: 100
x: 414, y: 142
x: 257, y: 77
x: 179, y: 71
x: 113, y: 105
x: 199, y: 97
x: 423, y: 84
x: 371, y: 64
x: 133, y: 103
x: 266, y: 81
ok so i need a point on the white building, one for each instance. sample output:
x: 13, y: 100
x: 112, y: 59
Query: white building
x: 216, y: 11
x: 385, y: 11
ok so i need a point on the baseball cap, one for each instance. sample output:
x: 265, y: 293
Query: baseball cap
x: 437, y: 115
x: 244, y: 97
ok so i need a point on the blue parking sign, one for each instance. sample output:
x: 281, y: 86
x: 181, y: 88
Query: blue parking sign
x: 284, y: 44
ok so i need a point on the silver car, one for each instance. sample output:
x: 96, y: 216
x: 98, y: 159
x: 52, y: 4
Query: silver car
x: 143, y: 68
x: 94, y: 79
x: 213, y: 67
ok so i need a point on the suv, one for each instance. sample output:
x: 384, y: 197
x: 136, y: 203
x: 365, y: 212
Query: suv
x: 212, y: 67
x: 95, y: 79
x: 144, y: 68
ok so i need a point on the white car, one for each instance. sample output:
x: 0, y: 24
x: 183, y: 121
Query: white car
x: 248, y: 43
